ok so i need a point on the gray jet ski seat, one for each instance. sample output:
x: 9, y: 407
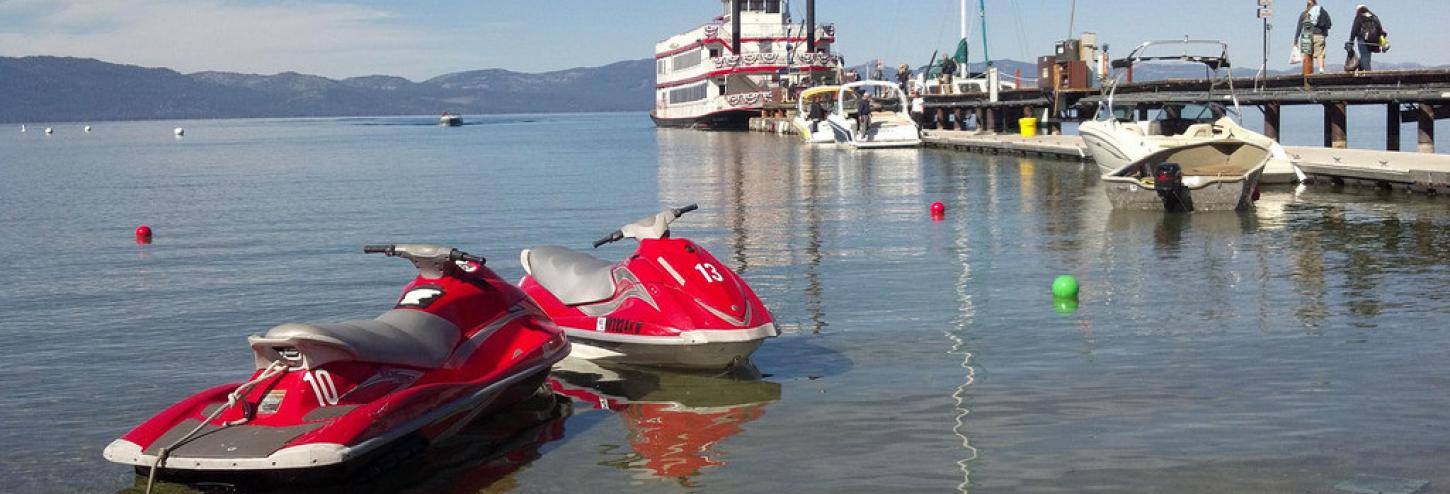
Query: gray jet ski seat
x: 574, y: 277
x: 402, y: 337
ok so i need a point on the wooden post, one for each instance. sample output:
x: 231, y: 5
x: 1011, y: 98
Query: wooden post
x: 1392, y: 127
x: 980, y: 114
x: 1334, y: 126
x: 941, y: 118
x: 960, y: 115
x: 991, y: 124
x: 1271, y: 120
x: 1427, y: 128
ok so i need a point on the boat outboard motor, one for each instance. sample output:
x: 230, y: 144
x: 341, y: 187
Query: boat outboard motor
x: 1168, y: 181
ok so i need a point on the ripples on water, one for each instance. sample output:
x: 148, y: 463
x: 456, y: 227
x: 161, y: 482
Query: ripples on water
x: 1282, y: 350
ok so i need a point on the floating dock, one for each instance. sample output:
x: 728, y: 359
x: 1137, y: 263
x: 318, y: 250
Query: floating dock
x: 1418, y: 172
x: 1054, y: 146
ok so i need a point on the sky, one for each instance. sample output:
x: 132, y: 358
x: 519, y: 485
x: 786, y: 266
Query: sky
x: 419, y: 39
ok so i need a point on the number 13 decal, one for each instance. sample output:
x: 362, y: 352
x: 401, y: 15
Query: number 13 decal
x: 709, y: 272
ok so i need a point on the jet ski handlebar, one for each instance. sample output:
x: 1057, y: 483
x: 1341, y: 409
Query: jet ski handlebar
x: 681, y: 211
x: 431, y: 260
x: 648, y: 222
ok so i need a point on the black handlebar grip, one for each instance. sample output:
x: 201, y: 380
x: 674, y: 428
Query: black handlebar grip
x: 378, y: 249
x: 458, y: 255
x: 615, y: 235
x: 686, y: 209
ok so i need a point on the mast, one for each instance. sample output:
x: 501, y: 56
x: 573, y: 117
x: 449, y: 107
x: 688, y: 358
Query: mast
x: 963, y: 12
x: 982, y: 10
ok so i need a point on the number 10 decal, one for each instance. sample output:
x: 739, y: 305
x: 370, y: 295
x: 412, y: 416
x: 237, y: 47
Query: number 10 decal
x: 709, y: 272
x: 322, y: 386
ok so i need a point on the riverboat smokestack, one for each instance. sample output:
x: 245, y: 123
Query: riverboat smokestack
x: 810, y: 26
x: 735, y: 26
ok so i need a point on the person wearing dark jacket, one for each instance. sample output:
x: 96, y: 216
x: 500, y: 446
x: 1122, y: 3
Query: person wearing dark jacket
x: 948, y: 70
x: 1366, y: 34
x: 863, y: 115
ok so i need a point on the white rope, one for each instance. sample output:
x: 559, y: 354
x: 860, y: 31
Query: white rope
x: 233, y: 399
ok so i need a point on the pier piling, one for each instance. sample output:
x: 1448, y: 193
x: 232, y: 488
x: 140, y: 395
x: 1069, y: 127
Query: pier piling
x: 1392, y: 127
x: 1427, y: 128
x: 1335, y: 123
x: 1271, y: 120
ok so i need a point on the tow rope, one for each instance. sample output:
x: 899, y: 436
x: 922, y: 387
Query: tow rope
x: 233, y: 399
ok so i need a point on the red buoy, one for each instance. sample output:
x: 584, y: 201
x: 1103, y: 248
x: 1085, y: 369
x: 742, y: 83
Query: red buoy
x: 143, y: 235
x: 938, y: 209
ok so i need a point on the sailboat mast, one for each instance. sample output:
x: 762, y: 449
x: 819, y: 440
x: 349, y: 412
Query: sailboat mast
x: 982, y: 10
x: 963, y: 12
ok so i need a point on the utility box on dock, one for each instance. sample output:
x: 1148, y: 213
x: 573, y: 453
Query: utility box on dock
x: 1045, y: 76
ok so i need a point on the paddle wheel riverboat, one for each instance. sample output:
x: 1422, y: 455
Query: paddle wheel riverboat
x: 719, y: 75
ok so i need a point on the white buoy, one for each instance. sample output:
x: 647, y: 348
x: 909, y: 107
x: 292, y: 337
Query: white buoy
x: 49, y: 131
x: 179, y: 132
x: 22, y: 128
x: 88, y: 129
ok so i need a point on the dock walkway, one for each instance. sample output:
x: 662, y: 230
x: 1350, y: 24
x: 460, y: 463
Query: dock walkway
x: 1057, y: 146
x: 1418, y: 172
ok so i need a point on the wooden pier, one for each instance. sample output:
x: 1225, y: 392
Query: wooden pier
x: 1419, y: 96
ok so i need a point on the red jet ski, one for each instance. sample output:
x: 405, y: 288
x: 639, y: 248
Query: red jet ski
x: 669, y: 304
x: 459, y: 342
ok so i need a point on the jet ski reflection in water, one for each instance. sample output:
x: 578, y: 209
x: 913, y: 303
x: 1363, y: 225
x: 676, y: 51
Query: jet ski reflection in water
x: 675, y: 418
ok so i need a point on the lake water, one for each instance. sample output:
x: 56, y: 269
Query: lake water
x: 1290, y: 349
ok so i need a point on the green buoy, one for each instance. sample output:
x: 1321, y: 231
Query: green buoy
x: 1064, y: 286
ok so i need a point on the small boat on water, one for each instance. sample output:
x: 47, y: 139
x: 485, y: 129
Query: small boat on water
x: 1217, y: 175
x: 888, y: 124
x: 450, y: 120
x: 810, y: 114
x: 1115, y: 139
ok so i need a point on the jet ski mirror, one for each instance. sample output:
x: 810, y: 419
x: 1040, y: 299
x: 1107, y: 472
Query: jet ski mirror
x: 432, y: 261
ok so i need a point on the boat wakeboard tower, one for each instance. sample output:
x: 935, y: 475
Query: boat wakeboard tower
x: 328, y: 397
x: 669, y: 304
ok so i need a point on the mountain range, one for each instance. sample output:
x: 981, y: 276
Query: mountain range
x: 56, y: 89
x: 45, y: 89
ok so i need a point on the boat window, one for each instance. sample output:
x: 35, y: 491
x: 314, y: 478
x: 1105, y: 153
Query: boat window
x: 688, y: 94
x: 686, y: 60
x: 772, y: 6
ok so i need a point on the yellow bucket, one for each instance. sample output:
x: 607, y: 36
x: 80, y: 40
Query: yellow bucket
x: 1028, y: 126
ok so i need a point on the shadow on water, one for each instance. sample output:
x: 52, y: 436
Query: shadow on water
x: 482, y: 456
x: 674, y: 418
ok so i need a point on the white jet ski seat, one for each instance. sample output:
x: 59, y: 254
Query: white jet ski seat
x: 574, y: 277
x: 401, y: 337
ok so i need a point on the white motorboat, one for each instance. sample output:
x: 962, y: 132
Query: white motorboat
x: 1115, y: 139
x: 450, y: 120
x: 1209, y: 175
x: 889, y: 125
x: 812, y: 107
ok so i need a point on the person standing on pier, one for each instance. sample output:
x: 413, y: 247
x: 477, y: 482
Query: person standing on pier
x: 948, y: 70
x: 1367, y: 34
x: 1314, y: 24
x: 903, y: 77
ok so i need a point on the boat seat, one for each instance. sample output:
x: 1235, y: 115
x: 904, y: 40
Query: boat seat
x: 404, y: 337
x: 574, y: 277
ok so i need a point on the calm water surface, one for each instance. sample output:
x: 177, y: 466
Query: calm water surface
x: 1283, y: 350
